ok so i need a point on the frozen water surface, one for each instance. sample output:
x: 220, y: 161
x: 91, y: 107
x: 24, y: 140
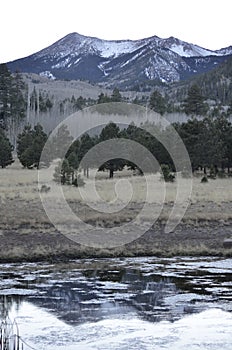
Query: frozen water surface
x: 210, y: 329
x: 130, y: 303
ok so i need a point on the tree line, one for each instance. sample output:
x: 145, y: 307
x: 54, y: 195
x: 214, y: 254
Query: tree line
x: 208, y: 142
x: 15, y: 102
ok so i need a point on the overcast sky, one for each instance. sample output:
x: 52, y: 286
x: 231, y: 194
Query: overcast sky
x: 27, y: 26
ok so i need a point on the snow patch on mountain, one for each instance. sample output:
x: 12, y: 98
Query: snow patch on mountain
x: 225, y: 51
x: 133, y: 58
x: 122, y: 62
x: 74, y: 45
x: 115, y: 48
x: 62, y: 64
x: 184, y: 49
x: 190, y: 52
x: 77, y: 61
x: 47, y: 74
x: 101, y: 66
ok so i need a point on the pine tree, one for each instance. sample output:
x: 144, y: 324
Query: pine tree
x: 111, y: 131
x: 157, y: 102
x: 30, y: 144
x: 39, y: 140
x: 86, y: 143
x: 116, y: 96
x: 59, y: 143
x: 5, y: 95
x: 194, y: 103
x: 64, y: 173
x: 102, y: 98
x: 72, y: 154
x: 12, y: 98
x: 67, y: 175
x: 18, y: 102
x: 5, y: 150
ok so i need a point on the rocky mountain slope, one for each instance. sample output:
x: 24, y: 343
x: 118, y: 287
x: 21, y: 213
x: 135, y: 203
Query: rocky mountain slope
x: 215, y: 85
x: 124, y: 63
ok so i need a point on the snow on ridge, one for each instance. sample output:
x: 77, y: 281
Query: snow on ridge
x: 116, y: 48
x: 47, y: 74
x: 76, y: 44
x: 185, y: 49
x: 191, y: 51
x: 224, y: 51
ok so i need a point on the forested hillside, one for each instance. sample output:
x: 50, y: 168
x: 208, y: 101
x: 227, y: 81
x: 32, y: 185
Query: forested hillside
x: 215, y: 85
x: 32, y: 99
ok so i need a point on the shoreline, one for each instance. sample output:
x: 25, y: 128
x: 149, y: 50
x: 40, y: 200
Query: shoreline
x: 44, y: 243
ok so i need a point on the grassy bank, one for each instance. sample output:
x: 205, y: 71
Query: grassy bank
x: 27, y: 233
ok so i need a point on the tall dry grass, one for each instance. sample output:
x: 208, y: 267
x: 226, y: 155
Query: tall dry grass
x: 19, y: 183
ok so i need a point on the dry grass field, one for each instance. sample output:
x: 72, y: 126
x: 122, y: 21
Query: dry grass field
x: 27, y: 233
x: 19, y: 183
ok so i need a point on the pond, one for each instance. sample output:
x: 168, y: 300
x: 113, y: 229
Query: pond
x: 125, y: 303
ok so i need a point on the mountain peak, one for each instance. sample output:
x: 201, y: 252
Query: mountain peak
x: 121, y: 62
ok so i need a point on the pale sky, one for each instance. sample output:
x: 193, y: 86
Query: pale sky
x: 27, y: 26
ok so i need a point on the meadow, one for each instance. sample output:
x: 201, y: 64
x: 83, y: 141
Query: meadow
x: 27, y: 233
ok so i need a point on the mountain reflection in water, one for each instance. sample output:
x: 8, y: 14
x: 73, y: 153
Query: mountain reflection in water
x: 92, y: 290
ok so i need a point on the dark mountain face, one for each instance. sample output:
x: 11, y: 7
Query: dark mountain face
x: 198, y: 65
x: 123, y: 63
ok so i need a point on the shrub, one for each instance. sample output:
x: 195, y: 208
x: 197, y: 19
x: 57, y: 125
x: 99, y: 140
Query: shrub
x: 204, y: 179
x: 78, y: 181
x: 45, y: 189
x: 212, y: 173
x: 64, y: 173
x: 221, y: 174
x: 166, y: 173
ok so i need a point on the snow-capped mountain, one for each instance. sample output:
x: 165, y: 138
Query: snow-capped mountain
x: 224, y: 51
x: 124, y: 63
x: 184, y: 49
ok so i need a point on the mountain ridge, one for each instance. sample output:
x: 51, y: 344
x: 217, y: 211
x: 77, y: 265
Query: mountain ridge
x: 124, y: 63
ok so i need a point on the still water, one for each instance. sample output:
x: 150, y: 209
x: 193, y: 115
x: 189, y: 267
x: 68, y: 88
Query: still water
x: 121, y: 304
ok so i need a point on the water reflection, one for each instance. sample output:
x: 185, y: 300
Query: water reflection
x: 92, y: 298
x: 89, y: 291
x: 7, y: 303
